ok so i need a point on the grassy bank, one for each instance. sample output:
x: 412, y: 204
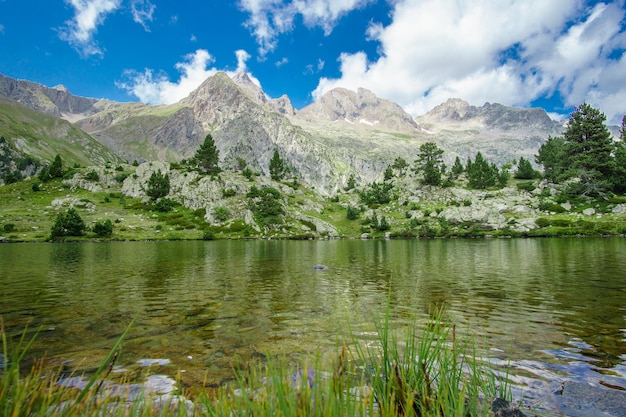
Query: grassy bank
x: 29, y: 209
x: 424, y: 370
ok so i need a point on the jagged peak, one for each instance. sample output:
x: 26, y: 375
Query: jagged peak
x: 61, y: 88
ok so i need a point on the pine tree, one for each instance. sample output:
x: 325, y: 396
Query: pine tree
x: 457, y: 168
x: 158, y: 185
x: 430, y: 163
x: 56, y: 168
x: 525, y: 170
x: 480, y: 174
x: 551, y: 155
x: 588, y: 143
x: 207, y: 157
x: 277, y: 167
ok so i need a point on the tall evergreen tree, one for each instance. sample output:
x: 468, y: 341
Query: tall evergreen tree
x: 277, y: 167
x: 207, y: 157
x: 525, y: 170
x: 551, y: 155
x: 588, y: 143
x: 158, y: 185
x: 457, y: 168
x: 430, y: 163
x: 480, y: 174
x: 56, y: 168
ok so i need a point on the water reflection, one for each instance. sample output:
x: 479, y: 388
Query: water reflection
x: 532, y: 300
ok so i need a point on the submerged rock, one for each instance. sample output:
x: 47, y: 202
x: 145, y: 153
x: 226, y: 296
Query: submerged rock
x: 320, y: 267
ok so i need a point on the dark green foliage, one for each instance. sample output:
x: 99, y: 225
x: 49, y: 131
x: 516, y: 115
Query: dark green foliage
x: 503, y: 175
x: 92, y: 176
x: 135, y: 163
x: 589, y: 146
x: 36, y: 186
x: 207, y: 157
x: 480, y: 174
x: 618, y: 179
x: 165, y: 205
x: 9, y: 227
x: 549, y: 206
x: 400, y: 165
x: 351, y: 183
x: 277, y: 167
x: 230, y: 192
x: 44, y: 174
x: 56, y: 168
x: 388, y: 174
x: 208, y: 235
x: 525, y: 170
x: 377, y: 193
x: 247, y: 172
x: 352, y: 213
x: 457, y: 168
x: 430, y: 163
x: 527, y: 186
x: 551, y: 155
x: 266, y: 205
x: 221, y: 213
x: 158, y: 185
x: 383, y: 224
x: 68, y: 224
x: 241, y: 163
x: 121, y: 177
x: 103, y: 229
x: 119, y: 168
x: 12, y: 177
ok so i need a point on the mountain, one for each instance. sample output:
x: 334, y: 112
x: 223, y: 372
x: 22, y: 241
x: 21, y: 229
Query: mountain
x: 362, y: 108
x: 30, y: 138
x: 500, y: 132
x: 344, y: 133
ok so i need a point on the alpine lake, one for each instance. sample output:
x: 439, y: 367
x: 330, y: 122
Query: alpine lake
x: 549, y: 312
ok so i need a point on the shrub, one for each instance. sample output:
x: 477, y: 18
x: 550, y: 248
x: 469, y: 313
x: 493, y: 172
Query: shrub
x: 92, y: 176
x: 165, y: 205
x: 121, y: 177
x: 352, y: 213
x: 526, y: 186
x: 230, y: 192
x: 551, y: 207
x: 208, y: 235
x: 9, y: 227
x: 103, y: 229
x: 68, y: 224
x: 221, y: 213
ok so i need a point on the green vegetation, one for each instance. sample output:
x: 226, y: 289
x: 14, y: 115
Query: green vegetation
x: 430, y: 163
x: 68, y: 224
x: 158, y: 185
x: 207, y: 157
x: 425, y: 370
x: 277, y: 167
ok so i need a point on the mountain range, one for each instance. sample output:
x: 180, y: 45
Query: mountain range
x: 342, y: 134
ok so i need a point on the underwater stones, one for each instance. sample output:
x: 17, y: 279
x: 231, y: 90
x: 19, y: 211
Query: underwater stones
x: 320, y: 267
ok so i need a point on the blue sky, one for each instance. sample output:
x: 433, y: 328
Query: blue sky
x: 554, y: 54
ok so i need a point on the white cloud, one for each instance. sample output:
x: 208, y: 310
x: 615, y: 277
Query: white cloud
x: 193, y: 38
x: 1, y: 28
x: 511, y: 52
x: 153, y: 88
x: 142, y: 11
x: 88, y: 15
x: 269, y: 18
x: 281, y: 62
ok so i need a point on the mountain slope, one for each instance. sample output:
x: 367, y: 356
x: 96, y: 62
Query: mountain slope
x: 344, y: 133
x: 30, y: 135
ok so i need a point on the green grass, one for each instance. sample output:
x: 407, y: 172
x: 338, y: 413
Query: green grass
x: 425, y: 369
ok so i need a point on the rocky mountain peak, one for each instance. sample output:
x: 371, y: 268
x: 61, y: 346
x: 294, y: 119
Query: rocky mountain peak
x: 362, y: 107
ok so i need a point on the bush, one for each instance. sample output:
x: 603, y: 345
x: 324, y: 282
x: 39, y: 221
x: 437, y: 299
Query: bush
x: 165, y: 205
x: 221, y: 213
x: 68, y: 224
x: 103, y: 229
x: 121, y: 177
x: 92, y: 176
x: 230, y: 192
x: 9, y: 227
x: 352, y: 213
x: 551, y: 207
x: 526, y: 186
x: 208, y: 235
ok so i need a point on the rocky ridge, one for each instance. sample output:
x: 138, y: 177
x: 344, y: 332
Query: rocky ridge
x: 344, y: 133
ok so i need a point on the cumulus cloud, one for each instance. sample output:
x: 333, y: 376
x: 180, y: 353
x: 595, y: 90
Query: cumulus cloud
x: 88, y: 15
x: 156, y: 88
x: 512, y: 52
x: 142, y: 11
x: 269, y: 18
x: 281, y: 62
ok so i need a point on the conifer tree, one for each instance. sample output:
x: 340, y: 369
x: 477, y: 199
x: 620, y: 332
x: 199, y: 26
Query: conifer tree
x: 430, y: 163
x: 277, y: 167
x: 551, y: 155
x: 56, y: 168
x: 158, y: 185
x: 588, y: 144
x: 207, y: 157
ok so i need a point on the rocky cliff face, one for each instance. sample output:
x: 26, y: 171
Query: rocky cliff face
x: 361, y: 107
x: 344, y: 133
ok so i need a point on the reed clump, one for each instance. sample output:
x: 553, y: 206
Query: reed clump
x: 422, y: 370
